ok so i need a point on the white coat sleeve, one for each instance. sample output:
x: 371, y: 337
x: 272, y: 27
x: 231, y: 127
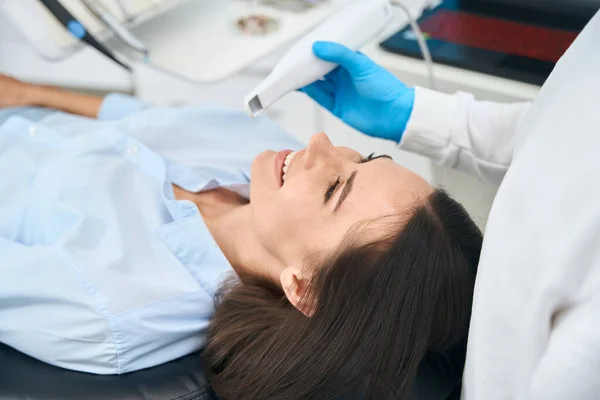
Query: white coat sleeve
x: 459, y: 132
x: 568, y: 368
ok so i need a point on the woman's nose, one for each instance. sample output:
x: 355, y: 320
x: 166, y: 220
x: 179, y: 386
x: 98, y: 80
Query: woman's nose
x: 319, y: 149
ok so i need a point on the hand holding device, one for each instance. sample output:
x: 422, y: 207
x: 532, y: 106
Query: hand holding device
x: 361, y: 93
x: 355, y: 24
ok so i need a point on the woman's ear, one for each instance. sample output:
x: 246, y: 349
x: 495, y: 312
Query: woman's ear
x: 294, y: 284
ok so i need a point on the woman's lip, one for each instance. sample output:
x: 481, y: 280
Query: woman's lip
x: 279, y: 160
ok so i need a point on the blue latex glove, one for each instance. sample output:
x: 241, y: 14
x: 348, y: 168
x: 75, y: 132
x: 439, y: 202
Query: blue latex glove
x: 361, y: 93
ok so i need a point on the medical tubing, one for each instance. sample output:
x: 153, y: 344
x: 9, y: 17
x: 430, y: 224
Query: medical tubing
x: 420, y: 40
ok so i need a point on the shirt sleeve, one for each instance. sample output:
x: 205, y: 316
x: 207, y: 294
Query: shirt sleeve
x: 117, y: 105
x: 458, y: 132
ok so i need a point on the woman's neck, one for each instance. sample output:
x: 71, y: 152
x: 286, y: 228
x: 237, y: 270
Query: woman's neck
x: 228, y: 217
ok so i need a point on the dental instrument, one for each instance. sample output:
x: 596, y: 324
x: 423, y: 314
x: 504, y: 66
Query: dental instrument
x: 300, y: 66
x: 112, y: 23
x: 420, y: 38
x: 354, y: 25
x: 77, y: 30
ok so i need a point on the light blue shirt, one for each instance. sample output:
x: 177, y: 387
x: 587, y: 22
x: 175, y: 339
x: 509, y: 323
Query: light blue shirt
x: 101, y: 269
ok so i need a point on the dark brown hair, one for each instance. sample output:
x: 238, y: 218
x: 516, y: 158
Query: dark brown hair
x: 380, y: 308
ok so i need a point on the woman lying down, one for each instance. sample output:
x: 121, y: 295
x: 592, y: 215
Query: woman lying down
x: 121, y: 223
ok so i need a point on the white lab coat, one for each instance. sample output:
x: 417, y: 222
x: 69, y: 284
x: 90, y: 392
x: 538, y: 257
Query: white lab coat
x: 535, y: 329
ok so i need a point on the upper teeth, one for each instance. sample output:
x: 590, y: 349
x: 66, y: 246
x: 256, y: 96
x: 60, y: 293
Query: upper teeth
x: 287, y: 162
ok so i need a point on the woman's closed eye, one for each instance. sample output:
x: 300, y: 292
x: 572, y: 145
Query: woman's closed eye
x: 372, y: 157
x: 332, y: 186
x: 331, y: 189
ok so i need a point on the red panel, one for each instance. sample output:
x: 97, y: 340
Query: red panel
x: 498, y: 35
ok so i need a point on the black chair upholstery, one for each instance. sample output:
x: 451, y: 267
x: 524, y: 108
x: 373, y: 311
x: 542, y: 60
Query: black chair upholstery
x: 24, y: 378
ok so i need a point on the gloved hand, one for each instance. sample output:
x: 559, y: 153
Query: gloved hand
x: 361, y: 93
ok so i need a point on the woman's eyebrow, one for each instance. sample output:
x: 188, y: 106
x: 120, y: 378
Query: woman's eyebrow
x: 350, y: 181
x: 346, y: 190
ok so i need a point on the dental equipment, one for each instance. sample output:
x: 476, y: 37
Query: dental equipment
x: 126, y: 8
x: 112, y: 23
x: 77, y: 30
x: 420, y: 39
x: 355, y: 24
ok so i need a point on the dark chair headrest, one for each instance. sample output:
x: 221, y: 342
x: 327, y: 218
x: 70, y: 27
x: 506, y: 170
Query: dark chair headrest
x: 22, y: 377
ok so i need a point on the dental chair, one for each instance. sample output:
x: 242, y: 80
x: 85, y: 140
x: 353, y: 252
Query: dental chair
x: 24, y: 378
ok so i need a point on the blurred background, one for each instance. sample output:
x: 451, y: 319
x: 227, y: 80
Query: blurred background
x: 216, y: 51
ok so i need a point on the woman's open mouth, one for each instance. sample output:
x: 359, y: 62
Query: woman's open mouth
x: 283, y: 160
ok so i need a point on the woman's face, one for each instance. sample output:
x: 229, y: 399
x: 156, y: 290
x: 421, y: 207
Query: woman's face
x: 326, y: 191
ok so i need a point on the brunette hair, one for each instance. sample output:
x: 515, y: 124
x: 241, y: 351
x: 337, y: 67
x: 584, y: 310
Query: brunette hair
x: 379, y: 309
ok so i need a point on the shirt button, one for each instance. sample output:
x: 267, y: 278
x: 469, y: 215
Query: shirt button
x: 33, y: 131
